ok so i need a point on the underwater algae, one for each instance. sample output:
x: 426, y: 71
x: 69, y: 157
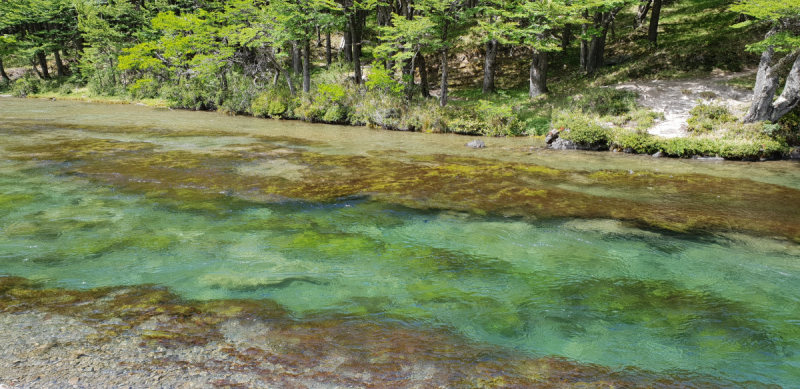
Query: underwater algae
x: 468, y: 270
x: 335, y: 349
x: 195, y: 179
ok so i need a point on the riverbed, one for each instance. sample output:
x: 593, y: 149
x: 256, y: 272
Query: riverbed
x: 191, y: 248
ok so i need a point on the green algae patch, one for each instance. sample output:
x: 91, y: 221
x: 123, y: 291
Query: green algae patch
x: 211, y: 180
x: 76, y: 149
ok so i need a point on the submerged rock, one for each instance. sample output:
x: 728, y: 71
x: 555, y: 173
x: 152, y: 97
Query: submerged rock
x: 563, y: 144
x: 476, y: 144
x: 709, y: 159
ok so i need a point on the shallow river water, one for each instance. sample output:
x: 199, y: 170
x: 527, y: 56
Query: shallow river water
x: 638, y: 269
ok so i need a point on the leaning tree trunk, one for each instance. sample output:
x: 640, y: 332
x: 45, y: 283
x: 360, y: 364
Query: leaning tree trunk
x: 3, y: 74
x: 652, y: 34
x: 641, y: 15
x: 763, y: 107
x: 43, y: 64
x: 538, y: 79
x: 307, y: 66
x: 289, y: 82
x: 790, y: 97
x: 60, y: 65
x: 443, y: 97
x: 425, y: 87
x: 489, y: 66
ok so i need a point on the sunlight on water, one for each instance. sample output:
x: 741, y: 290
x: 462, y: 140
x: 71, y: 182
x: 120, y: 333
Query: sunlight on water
x: 601, y: 291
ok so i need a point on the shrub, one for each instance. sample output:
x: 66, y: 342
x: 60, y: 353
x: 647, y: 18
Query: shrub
x: 274, y: 103
x: 581, y: 129
x: 605, y: 101
x: 707, y: 117
x: 25, y: 86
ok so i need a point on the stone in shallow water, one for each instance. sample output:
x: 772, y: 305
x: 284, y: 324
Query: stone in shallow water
x: 563, y: 144
x: 476, y: 144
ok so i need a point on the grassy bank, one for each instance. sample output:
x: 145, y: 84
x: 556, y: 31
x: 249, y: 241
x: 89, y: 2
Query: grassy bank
x: 696, y: 38
x: 597, y: 119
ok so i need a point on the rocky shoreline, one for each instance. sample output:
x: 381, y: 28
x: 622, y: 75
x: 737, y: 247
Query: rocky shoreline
x: 146, y: 337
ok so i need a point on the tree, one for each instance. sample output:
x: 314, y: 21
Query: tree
x: 7, y: 47
x: 652, y: 32
x: 496, y: 25
x: 783, y: 37
x: 598, y: 16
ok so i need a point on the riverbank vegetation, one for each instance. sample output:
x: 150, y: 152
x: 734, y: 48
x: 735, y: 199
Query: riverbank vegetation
x: 498, y: 68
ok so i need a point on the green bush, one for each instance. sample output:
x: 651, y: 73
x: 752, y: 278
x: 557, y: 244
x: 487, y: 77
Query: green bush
x: 706, y: 118
x: 274, y: 103
x: 605, y: 101
x: 25, y: 86
x: 581, y: 129
x: 731, y: 147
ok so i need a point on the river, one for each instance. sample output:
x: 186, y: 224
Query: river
x: 625, y: 268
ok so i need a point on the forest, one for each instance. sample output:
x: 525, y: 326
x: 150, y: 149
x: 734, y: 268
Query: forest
x: 498, y: 68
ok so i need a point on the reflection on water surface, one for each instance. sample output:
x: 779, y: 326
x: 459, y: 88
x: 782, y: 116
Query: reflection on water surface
x: 626, y: 269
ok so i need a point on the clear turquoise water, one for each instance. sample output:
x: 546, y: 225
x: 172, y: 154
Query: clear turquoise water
x: 723, y: 304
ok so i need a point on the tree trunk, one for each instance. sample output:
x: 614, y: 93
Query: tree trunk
x: 443, y: 97
x: 307, y: 67
x: 790, y: 97
x: 566, y: 35
x: 296, y: 65
x: 592, y: 55
x: 60, y: 65
x: 538, y: 79
x: 652, y: 34
x: 423, y: 77
x: 355, y: 30
x: 489, y: 66
x: 43, y: 64
x: 767, y: 83
x: 641, y: 15
x: 289, y: 82
x: 348, y: 44
x: 584, y: 46
x: 35, y: 69
x: 328, y: 48
x: 601, y: 49
x: 3, y: 74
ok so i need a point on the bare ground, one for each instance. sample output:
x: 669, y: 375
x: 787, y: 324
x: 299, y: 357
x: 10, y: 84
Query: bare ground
x: 675, y: 98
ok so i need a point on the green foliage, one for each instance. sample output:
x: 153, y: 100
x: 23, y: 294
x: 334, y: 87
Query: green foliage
x: 486, y: 118
x: 581, y: 129
x: 733, y: 147
x: 25, y: 86
x: 381, y: 79
x: 272, y: 104
x: 605, y: 101
x: 707, y: 117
